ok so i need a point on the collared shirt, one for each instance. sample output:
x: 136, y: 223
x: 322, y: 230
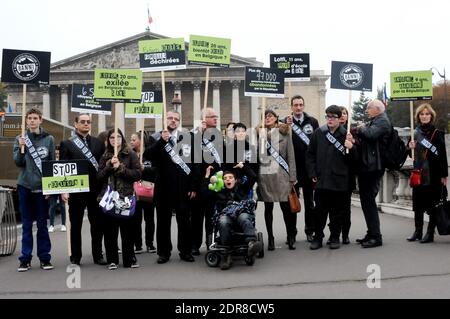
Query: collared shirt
x: 299, y: 120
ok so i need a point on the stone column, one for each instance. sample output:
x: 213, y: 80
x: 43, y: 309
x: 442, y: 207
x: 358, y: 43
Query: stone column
x: 139, y: 123
x: 197, y: 112
x: 120, y: 109
x: 177, y: 90
x: 64, y: 104
x: 216, y: 100
x: 46, y: 102
x: 101, y: 123
x: 235, y: 110
x: 322, y: 95
x: 158, y: 122
x: 255, y: 111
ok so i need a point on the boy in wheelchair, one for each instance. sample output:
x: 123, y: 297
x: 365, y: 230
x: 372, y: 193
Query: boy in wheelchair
x: 235, y: 212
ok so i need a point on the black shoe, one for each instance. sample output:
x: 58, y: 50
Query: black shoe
x: 24, y: 266
x: 271, y: 244
x: 187, y: 257
x: 101, y: 261
x: 428, y: 238
x: 162, y: 259
x: 316, y: 244
x: 75, y: 261
x: 254, y: 247
x: 195, y: 252
x: 291, y: 242
x: 417, y: 235
x: 46, y: 265
x: 309, y: 238
x: 345, y: 240
x: 371, y: 243
x: 334, y: 244
x: 361, y: 240
x: 151, y: 249
x: 226, y: 262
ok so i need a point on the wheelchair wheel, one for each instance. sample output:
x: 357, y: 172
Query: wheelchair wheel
x: 261, y: 240
x: 212, y: 259
x: 250, y: 261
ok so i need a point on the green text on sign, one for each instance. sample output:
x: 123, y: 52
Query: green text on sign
x: 65, y: 184
x: 120, y: 85
x: 209, y: 51
x: 412, y: 85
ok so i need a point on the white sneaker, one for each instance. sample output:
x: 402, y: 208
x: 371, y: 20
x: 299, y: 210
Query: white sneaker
x: 51, y: 229
x: 112, y: 266
x: 63, y: 228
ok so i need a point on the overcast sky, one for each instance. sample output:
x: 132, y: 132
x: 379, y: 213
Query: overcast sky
x: 397, y: 35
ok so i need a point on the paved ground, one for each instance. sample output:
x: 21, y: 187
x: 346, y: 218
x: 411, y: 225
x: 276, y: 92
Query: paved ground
x: 408, y: 270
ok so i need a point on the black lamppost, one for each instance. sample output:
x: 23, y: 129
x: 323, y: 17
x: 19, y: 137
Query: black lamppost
x: 445, y: 94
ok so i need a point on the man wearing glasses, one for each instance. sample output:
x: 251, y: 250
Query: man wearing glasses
x: 328, y: 164
x: 83, y: 146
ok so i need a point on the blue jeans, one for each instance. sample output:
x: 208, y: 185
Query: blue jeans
x: 54, y: 202
x: 245, y: 223
x: 33, y: 206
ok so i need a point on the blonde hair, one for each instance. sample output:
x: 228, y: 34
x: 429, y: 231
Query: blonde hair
x: 421, y: 108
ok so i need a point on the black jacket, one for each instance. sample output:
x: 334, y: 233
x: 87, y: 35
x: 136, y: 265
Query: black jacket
x: 68, y: 151
x: 203, y: 156
x: 240, y: 151
x: 308, y: 126
x: 172, y: 185
x: 330, y: 166
x: 370, y: 142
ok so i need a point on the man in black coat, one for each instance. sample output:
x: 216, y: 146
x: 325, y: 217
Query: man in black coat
x: 328, y: 165
x: 303, y: 126
x: 177, y: 184
x: 370, y: 169
x: 73, y: 149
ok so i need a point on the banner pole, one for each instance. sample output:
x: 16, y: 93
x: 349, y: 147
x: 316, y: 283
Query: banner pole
x: 289, y: 92
x: 411, y: 111
x: 163, y: 82
x: 141, y: 149
x: 68, y: 229
x: 349, y: 113
x: 205, y: 101
x: 116, y: 124
x: 263, y: 124
x: 24, y: 111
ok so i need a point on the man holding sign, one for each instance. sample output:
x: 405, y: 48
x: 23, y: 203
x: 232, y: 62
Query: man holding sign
x: 84, y: 146
x: 39, y: 146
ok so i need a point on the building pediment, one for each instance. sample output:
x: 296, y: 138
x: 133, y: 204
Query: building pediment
x: 124, y: 54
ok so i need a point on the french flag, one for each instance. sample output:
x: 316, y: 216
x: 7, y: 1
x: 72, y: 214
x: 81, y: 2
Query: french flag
x: 385, y: 97
x: 150, y: 19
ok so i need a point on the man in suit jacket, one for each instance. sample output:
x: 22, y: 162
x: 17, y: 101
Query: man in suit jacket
x: 72, y: 149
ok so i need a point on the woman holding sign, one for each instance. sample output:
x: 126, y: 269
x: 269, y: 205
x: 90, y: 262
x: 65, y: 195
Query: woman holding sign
x: 431, y: 166
x: 120, y: 172
x: 277, y: 175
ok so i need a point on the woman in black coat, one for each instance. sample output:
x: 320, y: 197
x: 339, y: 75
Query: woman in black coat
x: 430, y: 156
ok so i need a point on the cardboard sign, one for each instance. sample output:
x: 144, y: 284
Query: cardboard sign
x: 295, y: 66
x: 162, y: 55
x: 151, y: 106
x: 264, y: 82
x: 411, y: 86
x: 20, y: 66
x: 117, y: 85
x: 351, y: 76
x: 65, y: 177
x: 209, y: 51
x: 83, y: 100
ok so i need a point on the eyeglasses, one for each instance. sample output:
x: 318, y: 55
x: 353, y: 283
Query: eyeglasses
x: 173, y: 119
x: 118, y: 137
x: 330, y: 117
x: 212, y: 117
x: 84, y: 121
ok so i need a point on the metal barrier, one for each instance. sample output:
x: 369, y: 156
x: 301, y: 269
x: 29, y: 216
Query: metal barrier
x: 8, y: 223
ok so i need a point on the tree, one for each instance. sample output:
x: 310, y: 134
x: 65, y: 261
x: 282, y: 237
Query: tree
x: 359, y: 109
x: 3, y: 97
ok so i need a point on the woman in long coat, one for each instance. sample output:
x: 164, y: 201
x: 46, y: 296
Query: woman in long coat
x: 276, y: 176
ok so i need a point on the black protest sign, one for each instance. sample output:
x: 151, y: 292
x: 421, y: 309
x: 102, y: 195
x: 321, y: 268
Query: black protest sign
x: 264, y: 82
x: 83, y: 100
x: 65, y: 177
x: 20, y: 66
x: 351, y: 76
x: 295, y: 66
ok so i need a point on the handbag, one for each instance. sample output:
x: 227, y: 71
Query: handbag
x: 294, y: 201
x: 144, y: 190
x: 442, y: 214
x: 118, y: 206
x: 415, y: 177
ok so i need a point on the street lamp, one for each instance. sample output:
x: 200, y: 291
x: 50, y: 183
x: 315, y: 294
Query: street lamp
x: 445, y: 93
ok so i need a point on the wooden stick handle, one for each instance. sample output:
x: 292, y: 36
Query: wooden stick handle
x: 205, y: 101
x: 24, y: 111
x: 411, y: 111
x: 163, y: 82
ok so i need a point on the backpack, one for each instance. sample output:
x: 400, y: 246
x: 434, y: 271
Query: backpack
x: 394, y: 151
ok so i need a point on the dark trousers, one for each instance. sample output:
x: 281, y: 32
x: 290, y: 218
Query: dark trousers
x: 290, y: 219
x: 332, y: 204
x: 112, y: 226
x: 369, y: 185
x: 163, y: 229
x: 244, y: 222
x: 33, y: 206
x: 146, y: 210
x: 77, y: 205
x: 346, y: 214
x: 202, y: 211
x: 418, y: 221
x: 308, y: 199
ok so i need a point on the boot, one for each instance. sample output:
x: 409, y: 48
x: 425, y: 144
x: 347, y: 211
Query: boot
x: 417, y: 235
x: 291, y: 242
x: 208, y: 241
x: 428, y: 238
x: 271, y: 244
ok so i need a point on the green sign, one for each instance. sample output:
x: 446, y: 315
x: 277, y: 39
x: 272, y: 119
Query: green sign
x: 117, y: 85
x: 209, y: 51
x: 162, y: 55
x: 65, y: 177
x: 151, y: 106
x: 411, y: 86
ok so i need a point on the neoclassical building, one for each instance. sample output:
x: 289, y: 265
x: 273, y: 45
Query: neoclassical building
x: 225, y: 94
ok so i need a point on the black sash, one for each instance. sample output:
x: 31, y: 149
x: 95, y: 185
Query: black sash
x: 33, y: 153
x: 335, y: 142
x: 84, y: 150
x: 297, y: 130
x: 177, y: 159
x: 210, y: 147
x: 280, y: 160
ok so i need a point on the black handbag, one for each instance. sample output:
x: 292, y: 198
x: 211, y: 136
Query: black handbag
x: 442, y: 214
